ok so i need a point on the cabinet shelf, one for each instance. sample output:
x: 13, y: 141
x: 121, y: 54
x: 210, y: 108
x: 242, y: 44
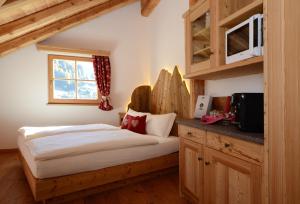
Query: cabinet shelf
x: 202, y: 35
x: 242, y: 14
x: 246, y: 67
x: 205, y: 52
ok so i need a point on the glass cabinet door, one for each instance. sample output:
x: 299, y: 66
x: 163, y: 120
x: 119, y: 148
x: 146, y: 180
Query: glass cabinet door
x: 200, y: 30
x: 198, y: 37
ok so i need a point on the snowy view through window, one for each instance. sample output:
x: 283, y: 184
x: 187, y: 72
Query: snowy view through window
x: 74, y: 80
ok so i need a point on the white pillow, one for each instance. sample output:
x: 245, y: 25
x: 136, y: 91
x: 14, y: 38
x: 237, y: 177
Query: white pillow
x: 160, y: 125
x: 135, y: 113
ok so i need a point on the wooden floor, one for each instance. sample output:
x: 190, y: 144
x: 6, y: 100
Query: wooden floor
x: 14, y: 188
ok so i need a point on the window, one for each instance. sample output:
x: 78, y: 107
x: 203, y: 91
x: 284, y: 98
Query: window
x: 72, y: 80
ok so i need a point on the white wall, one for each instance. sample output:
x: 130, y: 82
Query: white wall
x: 23, y: 74
x: 226, y: 87
x: 166, y: 32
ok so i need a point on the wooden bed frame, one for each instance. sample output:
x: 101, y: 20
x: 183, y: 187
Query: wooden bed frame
x: 169, y: 95
x: 44, y: 189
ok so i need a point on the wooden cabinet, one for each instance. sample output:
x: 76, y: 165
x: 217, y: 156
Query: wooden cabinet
x: 198, y: 37
x: 219, y: 170
x: 231, y: 180
x: 206, y: 22
x: 241, y: 149
x: 193, y: 134
x: 191, y: 170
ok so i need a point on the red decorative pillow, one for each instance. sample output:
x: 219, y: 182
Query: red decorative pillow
x: 135, y: 123
x: 125, y: 122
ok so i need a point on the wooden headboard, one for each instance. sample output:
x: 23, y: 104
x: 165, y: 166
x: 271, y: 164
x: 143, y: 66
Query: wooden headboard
x: 169, y: 95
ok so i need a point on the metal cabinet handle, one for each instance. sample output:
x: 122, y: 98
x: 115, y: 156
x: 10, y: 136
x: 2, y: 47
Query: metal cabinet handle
x: 207, y: 163
x: 200, y: 158
x: 226, y: 145
x: 189, y: 133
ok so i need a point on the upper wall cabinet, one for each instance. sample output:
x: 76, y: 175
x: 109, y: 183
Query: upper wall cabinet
x: 198, y: 21
x: 206, y: 23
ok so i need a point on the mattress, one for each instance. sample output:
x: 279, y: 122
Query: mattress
x: 96, y: 160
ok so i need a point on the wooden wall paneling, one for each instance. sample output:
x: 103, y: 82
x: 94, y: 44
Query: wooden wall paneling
x: 178, y: 99
x: 170, y: 94
x: 164, y: 99
x: 59, y: 26
x: 192, y: 2
x: 275, y: 108
x: 185, y: 97
x: 147, y: 6
x: 44, y: 17
x: 141, y: 99
x: 9, y: 1
x: 219, y: 103
x: 265, y: 178
x: 2, y: 2
x: 17, y: 9
x: 292, y: 96
x: 159, y: 92
x: 174, y: 94
x: 283, y: 98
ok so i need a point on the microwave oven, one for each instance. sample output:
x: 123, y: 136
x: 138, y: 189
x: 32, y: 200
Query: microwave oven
x: 244, y: 40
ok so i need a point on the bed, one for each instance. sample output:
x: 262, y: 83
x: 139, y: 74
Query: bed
x: 57, y: 177
x: 56, y: 167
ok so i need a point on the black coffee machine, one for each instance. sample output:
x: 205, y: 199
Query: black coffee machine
x: 249, y: 111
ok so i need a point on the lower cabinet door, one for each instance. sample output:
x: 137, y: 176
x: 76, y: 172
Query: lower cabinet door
x: 191, y: 170
x: 229, y: 180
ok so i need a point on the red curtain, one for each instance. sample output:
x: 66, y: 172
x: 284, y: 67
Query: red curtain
x: 103, y: 74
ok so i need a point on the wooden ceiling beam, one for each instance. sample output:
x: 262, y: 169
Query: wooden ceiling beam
x: 2, y: 2
x: 18, y: 9
x: 61, y: 25
x: 147, y: 6
x: 45, y: 17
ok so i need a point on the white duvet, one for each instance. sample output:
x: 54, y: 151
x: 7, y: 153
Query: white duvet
x: 75, y: 140
x: 37, y: 132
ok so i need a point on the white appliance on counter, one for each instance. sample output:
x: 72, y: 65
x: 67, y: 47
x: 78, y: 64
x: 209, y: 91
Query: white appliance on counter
x: 244, y: 40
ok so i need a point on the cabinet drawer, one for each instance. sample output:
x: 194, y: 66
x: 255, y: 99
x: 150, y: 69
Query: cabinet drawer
x: 239, y: 148
x: 193, y: 134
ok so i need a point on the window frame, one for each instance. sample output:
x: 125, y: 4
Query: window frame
x: 51, y: 99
